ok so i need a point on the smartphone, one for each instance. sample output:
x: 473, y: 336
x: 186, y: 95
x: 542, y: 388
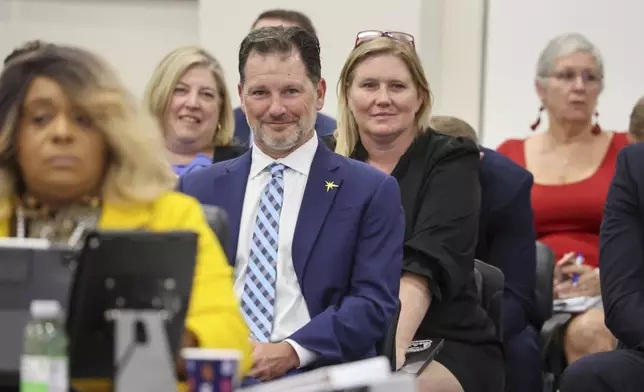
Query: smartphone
x: 419, y: 355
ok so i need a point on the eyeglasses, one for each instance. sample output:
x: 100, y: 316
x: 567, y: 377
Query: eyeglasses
x: 570, y: 76
x: 369, y: 35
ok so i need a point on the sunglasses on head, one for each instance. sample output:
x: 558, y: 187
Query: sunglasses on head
x: 369, y: 35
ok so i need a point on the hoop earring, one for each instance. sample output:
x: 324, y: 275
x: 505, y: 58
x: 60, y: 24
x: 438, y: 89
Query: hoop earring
x: 535, y: 124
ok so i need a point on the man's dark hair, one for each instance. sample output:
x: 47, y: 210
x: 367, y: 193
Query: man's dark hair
x: 26, y: 48
x: 294, y: 17
x: 284, y: 41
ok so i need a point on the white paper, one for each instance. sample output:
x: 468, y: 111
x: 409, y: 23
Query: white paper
x: 576, y: 304
x: 371, y: 371
x: 25, y: 243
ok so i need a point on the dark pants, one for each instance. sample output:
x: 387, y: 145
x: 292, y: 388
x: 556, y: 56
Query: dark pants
x: 613, y: 371
x: 249, y: 381
x: 523, y: 362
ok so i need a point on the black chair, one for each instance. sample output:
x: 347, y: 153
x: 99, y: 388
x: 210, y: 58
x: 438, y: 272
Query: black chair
x: 218, y: 221
x: 551, y: 335
x: 544, y: 284
x: 387, y: 347
x: 490, y: 282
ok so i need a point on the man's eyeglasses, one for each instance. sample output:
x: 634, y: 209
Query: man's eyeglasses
x: 369, y: 35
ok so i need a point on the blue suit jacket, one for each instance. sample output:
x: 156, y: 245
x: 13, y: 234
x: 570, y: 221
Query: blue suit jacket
x: 324, y: 126
x: 347, y: 248
x: 507, y: 236
x: 621, y: 249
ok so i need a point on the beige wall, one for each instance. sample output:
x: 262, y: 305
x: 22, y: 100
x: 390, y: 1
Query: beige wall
x: 519, y: 30
x: 448, y: 34
x: 134, y: 34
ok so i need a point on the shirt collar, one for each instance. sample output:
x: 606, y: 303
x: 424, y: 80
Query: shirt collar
x: 299, y: 160
x: 199, y: 161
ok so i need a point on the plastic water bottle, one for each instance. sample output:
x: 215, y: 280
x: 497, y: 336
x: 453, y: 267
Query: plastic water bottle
x: 44, y: 364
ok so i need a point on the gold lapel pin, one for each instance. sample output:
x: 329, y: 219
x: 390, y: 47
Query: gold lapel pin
x: 330, y: 185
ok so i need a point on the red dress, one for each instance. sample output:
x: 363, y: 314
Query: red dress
x: 567, y: 217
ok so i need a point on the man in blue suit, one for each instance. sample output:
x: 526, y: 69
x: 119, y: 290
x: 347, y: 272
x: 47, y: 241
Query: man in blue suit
x: 507, y: 241
x: 317, y: 237
x: 621, y: 259
x: 324, y: 125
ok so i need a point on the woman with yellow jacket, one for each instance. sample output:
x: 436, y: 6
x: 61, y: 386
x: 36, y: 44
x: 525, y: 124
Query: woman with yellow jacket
x: 76, y: 150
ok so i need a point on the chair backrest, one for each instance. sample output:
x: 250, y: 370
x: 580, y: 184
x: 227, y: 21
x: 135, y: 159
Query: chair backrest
x: 545, y: 274
x: 490, y: 282
x: 218, y: 221
x: 387, y: 346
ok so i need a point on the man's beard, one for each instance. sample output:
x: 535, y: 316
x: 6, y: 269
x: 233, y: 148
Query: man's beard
x: 288, y: 142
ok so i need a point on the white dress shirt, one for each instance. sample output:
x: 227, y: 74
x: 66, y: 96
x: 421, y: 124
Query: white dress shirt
x: 291, y: 312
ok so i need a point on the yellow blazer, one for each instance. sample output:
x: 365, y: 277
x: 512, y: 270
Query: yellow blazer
x: 214, y: 314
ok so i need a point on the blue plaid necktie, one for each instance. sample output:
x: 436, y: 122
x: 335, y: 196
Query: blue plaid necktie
x: 258, y: 299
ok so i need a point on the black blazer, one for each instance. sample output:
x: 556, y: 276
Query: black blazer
x: 224, y: 153
x: 441, y: 195
x: 621, y: 252
x: 507, y: 237
x: 329, y: 140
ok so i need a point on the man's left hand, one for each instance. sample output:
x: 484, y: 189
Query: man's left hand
x: 273, y: 360
x: 589, y: 284
x: 189, y: 340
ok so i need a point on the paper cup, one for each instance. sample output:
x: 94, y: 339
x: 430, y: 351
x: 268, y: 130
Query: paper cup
x: 211, y: 370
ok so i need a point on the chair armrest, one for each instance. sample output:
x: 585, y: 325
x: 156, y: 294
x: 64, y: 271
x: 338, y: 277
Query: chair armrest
x: 387, y: 347
x: 549, y: 331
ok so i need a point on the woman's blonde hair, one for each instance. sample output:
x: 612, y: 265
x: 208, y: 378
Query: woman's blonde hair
x: 137, y: 171
x: 346, y: 134
x: 168, y: 73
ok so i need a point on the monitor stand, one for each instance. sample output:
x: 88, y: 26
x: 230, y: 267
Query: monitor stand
x: 142, y: 355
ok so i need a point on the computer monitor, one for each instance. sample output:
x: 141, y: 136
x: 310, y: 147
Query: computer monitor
x: 126, y: 270
x: 29, y: 269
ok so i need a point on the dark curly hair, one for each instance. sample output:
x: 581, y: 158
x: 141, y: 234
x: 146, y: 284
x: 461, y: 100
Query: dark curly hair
x: 26, y: 48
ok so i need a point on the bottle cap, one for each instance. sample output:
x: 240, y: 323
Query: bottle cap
x: 45, y: 308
